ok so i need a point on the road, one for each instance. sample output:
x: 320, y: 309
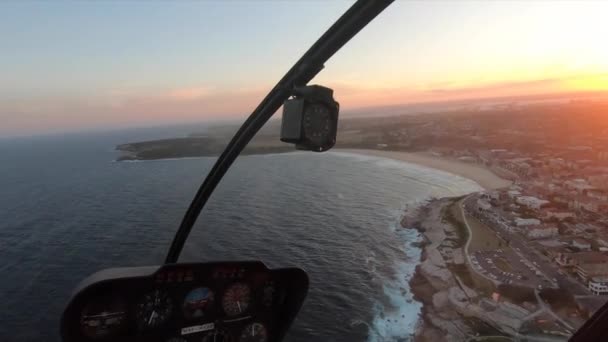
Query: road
x: 523, y: 251
x: 519, y: 245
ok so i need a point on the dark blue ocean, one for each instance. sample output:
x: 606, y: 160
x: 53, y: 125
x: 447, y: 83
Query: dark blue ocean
x: 67, y: 210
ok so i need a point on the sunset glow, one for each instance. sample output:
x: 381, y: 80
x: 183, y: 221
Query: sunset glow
x: 72, y: 69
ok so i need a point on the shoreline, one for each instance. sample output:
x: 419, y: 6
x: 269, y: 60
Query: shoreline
x: 475, y: 172
x: 434, y: 283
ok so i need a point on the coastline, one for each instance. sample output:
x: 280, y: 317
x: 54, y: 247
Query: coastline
x: 478, y: 173
x: 437, y: 282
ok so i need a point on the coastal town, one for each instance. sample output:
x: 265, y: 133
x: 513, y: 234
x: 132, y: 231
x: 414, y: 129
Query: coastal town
x: 533, y: 258
x: 526, y: 259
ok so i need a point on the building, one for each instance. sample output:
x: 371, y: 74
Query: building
x: 599, y: 180
x: 483, y: 205
x: 553, y: 252
x: 531, y: 202
x: 494, y: 195
x: 581, y: 244
x: 598, y: 285
x: 549, y: 214
x: 579, y: 185
x: 520, y: 222
x: 519, y: 166
x: 597, y: 194
x: 541, y: 232
x: 588, y: 271
x: 513, y: 194
x: 587, y: 204
x: 602, y: 242
x: 567, y: 259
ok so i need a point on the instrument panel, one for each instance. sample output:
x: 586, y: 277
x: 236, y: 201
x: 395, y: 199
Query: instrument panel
x: 192, y: 302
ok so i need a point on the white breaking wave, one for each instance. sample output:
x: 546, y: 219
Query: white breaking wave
x: 397, y: 320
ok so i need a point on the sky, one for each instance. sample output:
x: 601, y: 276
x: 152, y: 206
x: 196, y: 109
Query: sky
x: 69, y: 66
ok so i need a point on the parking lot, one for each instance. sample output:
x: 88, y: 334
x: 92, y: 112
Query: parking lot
x: 506, y: 267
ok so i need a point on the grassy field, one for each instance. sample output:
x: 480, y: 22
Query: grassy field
x: 453, y: 216
x: 484, y: 239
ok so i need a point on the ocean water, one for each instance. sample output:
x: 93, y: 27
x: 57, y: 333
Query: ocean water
x: 67, y: 210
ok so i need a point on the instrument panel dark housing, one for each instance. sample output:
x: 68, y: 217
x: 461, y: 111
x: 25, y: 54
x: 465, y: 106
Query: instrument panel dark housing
x: 130, y: 284
x: 295, y: 115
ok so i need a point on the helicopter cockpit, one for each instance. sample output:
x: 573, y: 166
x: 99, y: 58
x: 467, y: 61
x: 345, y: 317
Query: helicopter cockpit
x: 221, y: 301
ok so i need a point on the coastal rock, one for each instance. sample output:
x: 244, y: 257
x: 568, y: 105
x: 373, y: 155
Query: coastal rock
x: 469, y: 292
x: 453, y: 332
x: 442, y: 274
x: 457, y: 297
x: 440, y: 299
x: 458, y: 256
x: 435, y: 258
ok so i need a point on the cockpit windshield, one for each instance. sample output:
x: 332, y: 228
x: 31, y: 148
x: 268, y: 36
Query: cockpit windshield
x: 371, y: 171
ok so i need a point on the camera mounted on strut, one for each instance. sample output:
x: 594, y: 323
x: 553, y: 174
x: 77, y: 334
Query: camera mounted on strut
x: 310, y: 118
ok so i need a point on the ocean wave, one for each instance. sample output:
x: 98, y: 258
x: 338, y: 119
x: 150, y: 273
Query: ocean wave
x: 396, y: 319
x: 441, y: 181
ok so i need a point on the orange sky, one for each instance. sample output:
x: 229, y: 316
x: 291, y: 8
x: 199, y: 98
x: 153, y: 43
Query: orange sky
x: 71, y: 69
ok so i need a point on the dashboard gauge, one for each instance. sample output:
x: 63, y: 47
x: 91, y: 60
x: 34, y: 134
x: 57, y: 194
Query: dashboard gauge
x: 197, y: 302
x: 217, y: 336
x: 236, y: 299
x: 255, y: 332
x: 268, y: 296
x: 103, y: 317
x: 154, y: 309
x: 318, y: 123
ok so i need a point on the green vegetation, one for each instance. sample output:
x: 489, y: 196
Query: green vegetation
x: 484, y: 238
x: 450, y: 215
x: 463, y: 273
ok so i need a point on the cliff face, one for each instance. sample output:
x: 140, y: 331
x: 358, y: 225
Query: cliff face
x: 454, y: 309
x: 455, y: 305
x: 433, y: 283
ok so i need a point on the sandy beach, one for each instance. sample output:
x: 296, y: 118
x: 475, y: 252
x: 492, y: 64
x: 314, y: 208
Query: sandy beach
x: 483, y: 176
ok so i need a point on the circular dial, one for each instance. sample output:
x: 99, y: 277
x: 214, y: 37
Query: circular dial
x: 268, y: 295
x: 255, y: 332
x: 217, y: 336
x: 154, y: 309
x: 236, y: 299
x: 197, y: 302
x: 103, y: 317
x: 318, y: 124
